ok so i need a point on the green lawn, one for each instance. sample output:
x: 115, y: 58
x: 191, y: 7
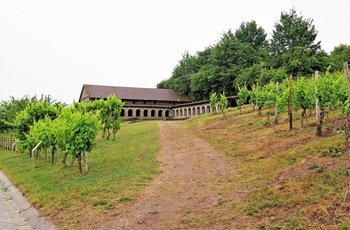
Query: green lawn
x: 118, y: 170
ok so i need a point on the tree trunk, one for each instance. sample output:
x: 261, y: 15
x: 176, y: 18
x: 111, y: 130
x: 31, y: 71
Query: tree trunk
x: 259, y: 111
x: 53, y: 155
x: 114, y: 132
x: 79, y: 163
x: 64, y: 159
x: 86, y: 162
x: 303, y: 115
x: 108, y: 134
x: 268, y: 118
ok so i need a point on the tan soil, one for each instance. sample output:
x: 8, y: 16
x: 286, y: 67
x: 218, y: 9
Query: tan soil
x: 190, y: 168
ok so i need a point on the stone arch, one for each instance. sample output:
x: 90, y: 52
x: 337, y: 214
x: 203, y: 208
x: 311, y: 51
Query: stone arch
x: 203, y: 109
x: 181, y: 113
x: 138, y: 113
x: 185, y: 112
x: 208, y: 109
x: 166, y: 113
x: 122, y: 114
x: 198, y: 110
x: 177, y: 112
x: 153, y: 113
x: 189, y: 111
x: 130, y: 113
x: 160, y: 113
x: 145, y: 113
x: 193, y: 111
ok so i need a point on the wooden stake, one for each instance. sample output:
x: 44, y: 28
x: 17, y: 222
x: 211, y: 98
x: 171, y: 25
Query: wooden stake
x: 290, y: 103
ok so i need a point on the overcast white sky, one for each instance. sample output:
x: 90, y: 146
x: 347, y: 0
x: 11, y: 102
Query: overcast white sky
x: 54, y: 47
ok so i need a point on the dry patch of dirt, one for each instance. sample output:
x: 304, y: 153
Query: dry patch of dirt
x: 184, y: 194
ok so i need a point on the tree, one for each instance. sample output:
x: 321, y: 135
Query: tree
x: 26, y: 118
x: 44, y: 130
x: 294, y: 40
x: 338, y: 56
x: 79, y: 133
x: 223, y: 103
x: 115, y: 106
x: 181, y: 75
x: 9, y: 109
x: 213, y: 101
x: 243, y: 94
x: 304, y: 96
x: 249, y: 32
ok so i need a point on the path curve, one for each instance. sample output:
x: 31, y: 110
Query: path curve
x: 188, y: 183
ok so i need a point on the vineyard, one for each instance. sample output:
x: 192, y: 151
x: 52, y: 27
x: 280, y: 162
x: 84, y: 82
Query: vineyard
x: 321, y: 94
x: 71, y: 130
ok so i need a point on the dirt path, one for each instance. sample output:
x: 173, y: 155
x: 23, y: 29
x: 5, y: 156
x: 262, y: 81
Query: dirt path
x: 185, y: 190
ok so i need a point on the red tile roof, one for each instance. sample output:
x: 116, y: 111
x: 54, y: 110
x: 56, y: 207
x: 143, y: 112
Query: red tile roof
x: 132, y: 93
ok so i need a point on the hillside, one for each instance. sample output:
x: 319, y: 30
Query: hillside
x: 214, y: 172
x: 283, y: 179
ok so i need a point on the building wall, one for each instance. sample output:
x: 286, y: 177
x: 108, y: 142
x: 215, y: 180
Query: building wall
x: 179, y: 112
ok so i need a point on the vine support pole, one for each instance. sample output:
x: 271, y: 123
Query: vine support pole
x: 347, y: 74
x: 34, y: 150
x: 290, y: 103
x: 318, y: 117
x: 347, y: 123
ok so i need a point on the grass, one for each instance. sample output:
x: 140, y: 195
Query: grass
x: 274, y: 166
x: 280, y: 179
x: 118, y: 170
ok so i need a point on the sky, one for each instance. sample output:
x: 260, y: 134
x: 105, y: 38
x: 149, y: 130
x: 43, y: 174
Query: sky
x: 54, y: 47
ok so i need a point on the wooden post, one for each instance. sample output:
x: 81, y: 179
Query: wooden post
x: 318, y: 112
x: 290, y: 103
x: 347, y: 123
x: 347, y: 74
x: 276, y: 109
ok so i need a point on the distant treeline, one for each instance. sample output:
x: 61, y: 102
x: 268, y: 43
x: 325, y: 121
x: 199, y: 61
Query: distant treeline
x: 246, y: 58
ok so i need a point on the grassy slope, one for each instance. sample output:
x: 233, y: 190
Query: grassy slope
x: 118, y: 170
x: 283, y: 179
x: 280, y: 179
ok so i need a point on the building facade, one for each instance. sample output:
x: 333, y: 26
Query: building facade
x: 146, y: 103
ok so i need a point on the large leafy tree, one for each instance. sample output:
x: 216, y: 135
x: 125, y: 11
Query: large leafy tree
x: 338, y: 56
x: 9, y: 110
x: 251, y: 33
x: 181, y: 75
x: 294, y: 43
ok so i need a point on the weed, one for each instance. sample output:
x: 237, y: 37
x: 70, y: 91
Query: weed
x: 125, y: 199
x: 99, y: 202
x: 313, y: 166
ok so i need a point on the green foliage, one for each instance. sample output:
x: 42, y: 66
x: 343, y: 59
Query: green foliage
x: 80, y: 131
x: 213, y: 101
x: 223, y: 103
x: 120, y: 170
x: 304, y: 94
x: 243, y: 94
x: 338, y: 56
x: 294, y: 46
x: 26, y: 118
